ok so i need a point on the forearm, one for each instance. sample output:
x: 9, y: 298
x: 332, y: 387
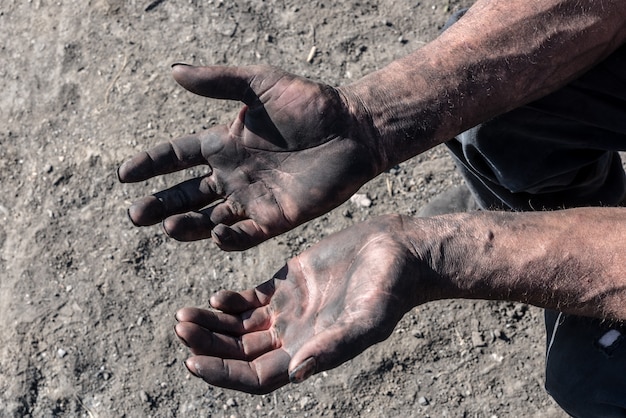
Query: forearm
x: 570, y: 260
x: 501, y: 55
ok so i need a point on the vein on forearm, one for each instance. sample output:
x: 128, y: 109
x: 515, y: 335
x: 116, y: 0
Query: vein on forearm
x: 568, y: 260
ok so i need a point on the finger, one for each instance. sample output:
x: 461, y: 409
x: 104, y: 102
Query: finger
x: 166, y: 157
x: 241, y: 235
x: 212, y: 222
x: 263, y: 375
x: 204, y: 342
x: 250, y: 321
x: 246, y: 347
x: 218, y: 82
x: 187, y: 196
x: 190, y: 226
x: 193, y: 226
x: 329, y: 349
x: 231, y: 302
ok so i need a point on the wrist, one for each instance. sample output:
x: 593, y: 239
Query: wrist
x: 408, y: 107
x: 439, y: 247
x: 363, y: 128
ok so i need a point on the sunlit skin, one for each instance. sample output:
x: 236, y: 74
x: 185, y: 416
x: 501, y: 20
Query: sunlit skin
x: 329, y: 304
x: 299, y: 148
x: 349, y: 291
x: 276, y: 166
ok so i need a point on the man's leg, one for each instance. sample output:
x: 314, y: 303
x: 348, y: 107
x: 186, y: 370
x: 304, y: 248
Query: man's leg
x: 586, y: 365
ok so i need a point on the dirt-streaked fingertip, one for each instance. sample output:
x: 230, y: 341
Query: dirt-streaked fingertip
x: 222, y: 236
x: 130, y: 217
x: 190, y: 368
x: 119, y: 178
x: 303, y: 371
x: 182, y: 340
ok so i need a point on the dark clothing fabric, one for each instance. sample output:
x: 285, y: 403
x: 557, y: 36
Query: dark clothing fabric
x: 557, y: 152
x: 586, y: 365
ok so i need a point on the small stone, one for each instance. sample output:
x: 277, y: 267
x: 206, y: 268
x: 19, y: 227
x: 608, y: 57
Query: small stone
x: 422, y: 401
x: 231, y: 402
x: 304, y: 402
x: 61, y: 353
x: 144, y: 396
x: 361, y: 200
x: 477, y: 339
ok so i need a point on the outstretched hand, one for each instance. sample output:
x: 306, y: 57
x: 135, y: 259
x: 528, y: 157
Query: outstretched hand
x: 295, y: 151
x: 323, y: 308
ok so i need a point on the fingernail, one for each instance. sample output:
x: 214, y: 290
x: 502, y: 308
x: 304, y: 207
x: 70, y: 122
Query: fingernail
x: 119, y: 178
x: 303, y: 371
x: 182, y: 340
x: 167, y: 232
x: 189, y: 368
x: 222, y: 235
x: 180, y: 63
x: 131, y: 218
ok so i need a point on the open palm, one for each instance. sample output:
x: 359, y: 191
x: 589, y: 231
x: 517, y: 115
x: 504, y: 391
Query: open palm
x: 323, y: 308
x: 293, y: 153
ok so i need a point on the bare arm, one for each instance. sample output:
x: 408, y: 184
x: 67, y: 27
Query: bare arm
x: 349, y: 291
x: 500, y: 55
x: 570, y: 260
x: 298, y: 149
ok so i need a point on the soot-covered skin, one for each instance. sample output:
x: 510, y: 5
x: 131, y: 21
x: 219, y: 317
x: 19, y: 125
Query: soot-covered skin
x: 294, y: 152
x: 323, y: 308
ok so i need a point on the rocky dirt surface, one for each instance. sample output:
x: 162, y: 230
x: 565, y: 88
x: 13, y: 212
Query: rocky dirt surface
x: 88, y: 300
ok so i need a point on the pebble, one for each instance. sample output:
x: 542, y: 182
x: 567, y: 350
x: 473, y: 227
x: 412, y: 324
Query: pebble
x: 361, y: 200
x: 61, y: 353
x: 231, y: 402
x: 144, y: 396
x: 477, y: 339
x: 304, y: 402
x: 422, y: 401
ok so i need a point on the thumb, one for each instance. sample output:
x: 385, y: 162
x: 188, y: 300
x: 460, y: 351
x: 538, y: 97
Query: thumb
x: 218, y: 82
x: 327, y: 350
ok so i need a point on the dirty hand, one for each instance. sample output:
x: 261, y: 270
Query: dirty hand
x: 295, y: 151
x: 323, y: 308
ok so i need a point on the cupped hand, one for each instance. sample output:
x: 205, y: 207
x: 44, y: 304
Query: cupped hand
x: 295, y: 151
x: 323, y: 308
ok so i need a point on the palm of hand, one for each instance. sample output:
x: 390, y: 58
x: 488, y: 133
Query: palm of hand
x: 290, y: 155
x: 323, y: 308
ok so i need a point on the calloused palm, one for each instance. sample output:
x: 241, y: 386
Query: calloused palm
x: 294, y: 152
x: 323, y: 308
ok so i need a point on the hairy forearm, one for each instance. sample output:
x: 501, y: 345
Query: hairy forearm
x: 500, y: 55
x: 570, y: 260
